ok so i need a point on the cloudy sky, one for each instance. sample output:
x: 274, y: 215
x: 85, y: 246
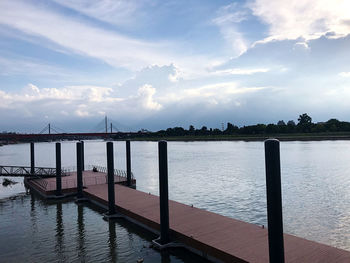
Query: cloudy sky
x: 155, y: 64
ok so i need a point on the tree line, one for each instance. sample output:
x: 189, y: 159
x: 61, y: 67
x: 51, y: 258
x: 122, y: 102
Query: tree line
x: 304, y: 125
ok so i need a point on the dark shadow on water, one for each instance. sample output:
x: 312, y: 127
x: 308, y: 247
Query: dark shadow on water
x: 112, y: 241
x: 33, y: 212
x: 59, y: 248
x: 81, y: 233
x: 165, y: 256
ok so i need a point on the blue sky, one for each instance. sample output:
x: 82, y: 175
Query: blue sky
x: 157, y: 64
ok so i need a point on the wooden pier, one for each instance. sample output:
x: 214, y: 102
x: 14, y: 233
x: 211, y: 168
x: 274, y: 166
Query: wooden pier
x: 218, y: 238
x: 215, y: 237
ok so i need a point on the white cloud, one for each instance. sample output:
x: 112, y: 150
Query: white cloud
x: 240, y: 71
x: 13, y: 66
x: 227, y: 19
x: 145, y: 96
x: 79, y: 101
x: 307, y: 19
x: 301, y: 45
x: 178, y: 74
x: 118, y: 12
x: 73, y: 34
x: 221, y: 92
x: 114, y: 48
x: 70, y: 94
x: 344, y: 74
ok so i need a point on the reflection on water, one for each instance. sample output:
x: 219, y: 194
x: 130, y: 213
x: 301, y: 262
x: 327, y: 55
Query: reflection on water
x: 112, y: 241
x: 35, y: 230
x: 165, y: 256
x: 59, y: 248
x: 81, y: 232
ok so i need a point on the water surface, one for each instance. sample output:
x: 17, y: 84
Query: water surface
x: 228, y: 178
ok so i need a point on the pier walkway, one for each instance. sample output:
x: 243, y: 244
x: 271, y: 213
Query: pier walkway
x: 211, y: 235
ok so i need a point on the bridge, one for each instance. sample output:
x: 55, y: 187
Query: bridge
x: 20, y: 137
x: 105, y: 129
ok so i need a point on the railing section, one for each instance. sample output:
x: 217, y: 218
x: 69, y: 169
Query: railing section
x: 9, y: 170
x: 70, y: 181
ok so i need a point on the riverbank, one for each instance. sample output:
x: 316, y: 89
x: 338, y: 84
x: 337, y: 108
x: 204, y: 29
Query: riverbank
x: 259, y: 137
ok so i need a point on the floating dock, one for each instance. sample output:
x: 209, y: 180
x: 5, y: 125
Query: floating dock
x: 215, y: 237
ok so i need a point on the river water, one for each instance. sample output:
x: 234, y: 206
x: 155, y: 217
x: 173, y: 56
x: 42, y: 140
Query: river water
x: 225, y: 177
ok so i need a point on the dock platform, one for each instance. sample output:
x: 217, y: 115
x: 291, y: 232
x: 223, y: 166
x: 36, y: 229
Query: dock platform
x: 215, y: 237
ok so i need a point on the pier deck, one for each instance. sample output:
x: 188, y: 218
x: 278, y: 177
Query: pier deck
x: 208, y: 234
x: 223, y: 238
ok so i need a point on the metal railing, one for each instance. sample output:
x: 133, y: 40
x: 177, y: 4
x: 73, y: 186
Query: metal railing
x: 70, y: 181
x: 117, y: 172
x: 9, y: 170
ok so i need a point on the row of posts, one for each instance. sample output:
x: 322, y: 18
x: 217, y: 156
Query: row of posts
x: 81, y: 165
x: 273, y: 193
x: 273, y: 189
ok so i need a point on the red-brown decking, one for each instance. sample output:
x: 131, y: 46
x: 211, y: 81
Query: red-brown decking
x: 224, y: 238
x: 219, y: 237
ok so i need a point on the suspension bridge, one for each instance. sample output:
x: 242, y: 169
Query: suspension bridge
x: 105, y: 129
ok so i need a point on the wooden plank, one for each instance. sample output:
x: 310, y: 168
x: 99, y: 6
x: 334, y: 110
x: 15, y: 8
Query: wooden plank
x: 223, y: 237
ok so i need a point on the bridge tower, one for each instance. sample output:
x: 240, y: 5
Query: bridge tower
x: 106, y: 123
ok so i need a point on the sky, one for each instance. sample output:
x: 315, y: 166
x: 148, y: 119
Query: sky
x: 155, y: 64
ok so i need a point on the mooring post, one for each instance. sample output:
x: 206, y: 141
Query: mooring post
x: 163, y: 192
x: 32, y: 158
x: 79, y: 172
x: 274, y: 201
x: 58, y: 170
x: 128, y: 163
x: 110, y: 176
x: 82, y: 156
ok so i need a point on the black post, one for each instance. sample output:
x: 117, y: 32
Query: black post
x: 82, y: 156
x: 163, y: 192
x: 32, y: 158
x: 110, y: 175
x: 58, y: 169
x: 128, y: 163
x: 274, y: 200
x: 79, y: 172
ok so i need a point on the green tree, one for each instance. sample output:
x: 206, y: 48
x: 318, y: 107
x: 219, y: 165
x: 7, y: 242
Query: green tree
x: 191, y: 130
x: 304, y: 119
x: 281, y: 123
x: 230, y: 128
x: 304, y: 123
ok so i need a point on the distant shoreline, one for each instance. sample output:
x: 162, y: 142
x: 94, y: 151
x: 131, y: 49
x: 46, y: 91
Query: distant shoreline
x: 280, y: 137
x: 247, y: 138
